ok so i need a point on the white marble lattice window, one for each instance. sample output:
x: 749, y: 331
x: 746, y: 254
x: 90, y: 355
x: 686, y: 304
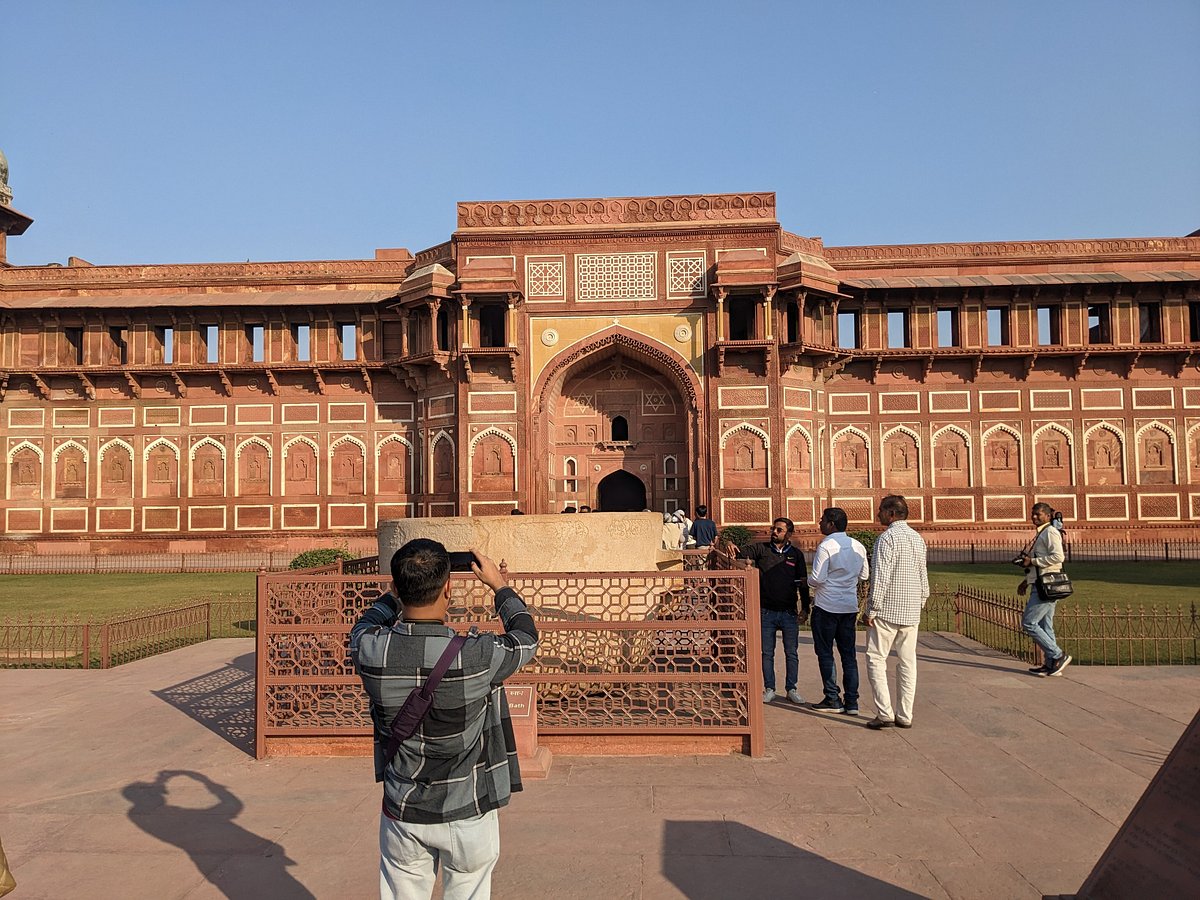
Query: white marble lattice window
x: 685, y: 275
x: 545, y: 278
x: 615, y: 276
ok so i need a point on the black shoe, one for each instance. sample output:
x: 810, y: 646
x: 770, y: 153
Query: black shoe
x: 1043, y: 669
x: 828, y: 705
x: 878, y: 723
x: 1056, y: 667
x: 850, y: 711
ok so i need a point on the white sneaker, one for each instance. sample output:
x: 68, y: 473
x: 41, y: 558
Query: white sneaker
x: 794, y: 696
x: 768, y: 695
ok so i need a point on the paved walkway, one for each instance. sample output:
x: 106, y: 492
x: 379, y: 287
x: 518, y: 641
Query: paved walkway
x: 136, y: 783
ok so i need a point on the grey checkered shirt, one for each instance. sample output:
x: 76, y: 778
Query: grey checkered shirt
x: 899, y: 580
x: 462, y: 760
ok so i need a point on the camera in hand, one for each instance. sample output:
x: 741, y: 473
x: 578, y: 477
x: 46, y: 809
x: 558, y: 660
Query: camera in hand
x: 1018, y: 560
x: 460, y: 560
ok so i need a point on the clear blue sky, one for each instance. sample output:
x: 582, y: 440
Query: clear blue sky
x: 155, y: 131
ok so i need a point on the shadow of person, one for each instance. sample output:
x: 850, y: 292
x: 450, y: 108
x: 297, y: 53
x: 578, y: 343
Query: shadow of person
x: 239, y: 863
x: 714, y: 860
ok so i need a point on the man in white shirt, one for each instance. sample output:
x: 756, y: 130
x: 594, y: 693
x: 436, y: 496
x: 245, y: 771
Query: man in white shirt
x: 839, y: 565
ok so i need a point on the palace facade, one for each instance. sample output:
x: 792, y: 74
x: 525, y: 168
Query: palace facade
x: 654, y: 352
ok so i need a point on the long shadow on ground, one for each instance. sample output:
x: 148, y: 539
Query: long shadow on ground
x: 221, y: 700
x: 761, y: 866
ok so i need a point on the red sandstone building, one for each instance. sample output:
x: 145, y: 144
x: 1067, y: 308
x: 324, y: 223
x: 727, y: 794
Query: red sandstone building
x: 625, y: 353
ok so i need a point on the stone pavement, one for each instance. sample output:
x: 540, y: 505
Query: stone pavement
x: 137, y: 782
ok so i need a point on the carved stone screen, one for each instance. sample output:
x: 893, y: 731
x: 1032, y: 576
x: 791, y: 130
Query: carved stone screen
x: 666, y: 654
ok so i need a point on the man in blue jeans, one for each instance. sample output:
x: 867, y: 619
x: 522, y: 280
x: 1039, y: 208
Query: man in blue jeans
x: 1045, y: 554
x: 782, y: 579
x: 839, y: 564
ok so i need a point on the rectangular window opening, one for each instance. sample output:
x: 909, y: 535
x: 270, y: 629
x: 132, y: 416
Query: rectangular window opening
x: 302, y: 340
x: 793, y: 323
x: 256, y: 342
x: 348, y: 336
x: 1194, y: 323
x: 118, y: 340
x: 1099, y: 327
x: 491, y: 325
x: 897, y: 326
x: 212, y: 343
x: 997, y: 322
x: 947, y: 328
x: 847, y: 330
x: 741, y: 319
x: 1150, y: 323
x: 1048, y: 326
x: 74, y: 338
x: 165, y: 351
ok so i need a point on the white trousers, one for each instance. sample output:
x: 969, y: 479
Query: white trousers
x: 410, y: 855
x: 881, y: 638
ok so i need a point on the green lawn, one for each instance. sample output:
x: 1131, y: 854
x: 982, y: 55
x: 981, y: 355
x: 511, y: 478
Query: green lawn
x: 1107, y: 583
x: 97, y: 597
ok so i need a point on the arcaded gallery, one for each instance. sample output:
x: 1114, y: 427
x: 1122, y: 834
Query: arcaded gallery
x: 649, y: 352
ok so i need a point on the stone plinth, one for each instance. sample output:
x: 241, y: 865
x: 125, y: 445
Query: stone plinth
x: 584, y: 542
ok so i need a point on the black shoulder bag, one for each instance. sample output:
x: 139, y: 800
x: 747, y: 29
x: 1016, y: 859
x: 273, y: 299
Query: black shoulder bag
x: 411, y: 714
x: 1053, y: 586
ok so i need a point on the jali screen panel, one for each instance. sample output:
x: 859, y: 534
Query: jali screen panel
x: 620, y: 654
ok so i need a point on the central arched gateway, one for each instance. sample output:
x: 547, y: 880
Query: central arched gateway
x: 620, y: 491
x: 614, y: 411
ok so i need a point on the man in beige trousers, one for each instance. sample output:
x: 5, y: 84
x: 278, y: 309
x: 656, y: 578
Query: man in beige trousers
x: 899, y: 589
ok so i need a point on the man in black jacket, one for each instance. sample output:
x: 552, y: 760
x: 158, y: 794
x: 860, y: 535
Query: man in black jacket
x: 782, y: 579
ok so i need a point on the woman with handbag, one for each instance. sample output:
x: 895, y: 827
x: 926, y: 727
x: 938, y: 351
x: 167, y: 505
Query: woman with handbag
x: 1046, y: 583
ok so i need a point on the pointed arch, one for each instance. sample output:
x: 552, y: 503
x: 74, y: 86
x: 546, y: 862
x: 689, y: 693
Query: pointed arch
x: 741, y: 469
x: 243, y: 471
x: 497, y: 432
x: 1162, y: 469
x: 119, y: 476
x: 746, y: 426
x: 410, y: 457
x: 799, y: 470
x: 1039, y: 464
x: 847, y: 468
x: 1090, y: 462
x: 66, y: 445
x: 999, y: 464
x: 309, y: 478
x: 1192, y: 440
x: 66, y: 488
x: 438, y: 438
x: 206, y: 441
x: 31, y: 489
x: 896, y: 475
x: 950, y: 463
x: 156, y: 474
x: 352, y: 481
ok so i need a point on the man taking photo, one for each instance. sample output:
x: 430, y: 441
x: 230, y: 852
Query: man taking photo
x: 445, y: 783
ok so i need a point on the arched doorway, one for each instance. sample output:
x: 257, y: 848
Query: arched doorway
x: 621, y: 491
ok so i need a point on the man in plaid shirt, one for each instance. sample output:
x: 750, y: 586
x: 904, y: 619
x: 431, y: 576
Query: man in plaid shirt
x: 442, y: 790
x: 899, y: 589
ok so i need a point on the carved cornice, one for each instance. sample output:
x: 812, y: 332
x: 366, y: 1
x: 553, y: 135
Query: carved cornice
x: 795, y: 243
x: 616, y: 211
x: 890, y: 255
x: 321, y: 271
x: 439, y: 253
